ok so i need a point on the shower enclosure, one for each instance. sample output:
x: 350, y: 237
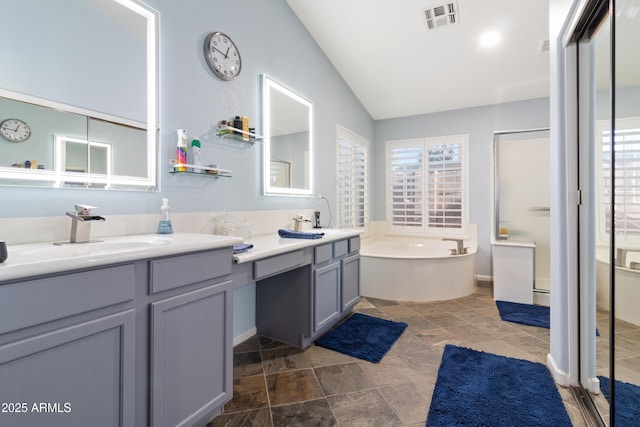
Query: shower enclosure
x: 521, y: 239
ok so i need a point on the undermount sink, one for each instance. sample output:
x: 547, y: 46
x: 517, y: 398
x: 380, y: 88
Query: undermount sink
x: 45, y: 258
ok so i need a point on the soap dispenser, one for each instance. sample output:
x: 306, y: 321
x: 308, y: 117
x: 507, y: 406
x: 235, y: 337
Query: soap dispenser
x: 164, y: 226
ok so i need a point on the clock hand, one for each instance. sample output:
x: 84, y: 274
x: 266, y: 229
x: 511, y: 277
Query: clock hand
x: 226, y: 55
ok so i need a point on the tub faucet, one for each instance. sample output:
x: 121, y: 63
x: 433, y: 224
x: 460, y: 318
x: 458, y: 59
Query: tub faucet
x: 621, y: 256
x: 81, y: 219
x: 460, y: 249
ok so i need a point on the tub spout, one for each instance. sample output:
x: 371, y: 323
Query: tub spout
x: 460, y: 249
x: 621, y: 256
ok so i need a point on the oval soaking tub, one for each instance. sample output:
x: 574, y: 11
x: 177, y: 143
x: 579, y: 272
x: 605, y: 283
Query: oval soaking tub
x: 421, y: 270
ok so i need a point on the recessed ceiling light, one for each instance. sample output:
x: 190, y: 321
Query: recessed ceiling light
x: 489, y: 39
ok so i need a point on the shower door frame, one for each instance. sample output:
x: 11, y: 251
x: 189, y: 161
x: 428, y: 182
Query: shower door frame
x: 496, y: 188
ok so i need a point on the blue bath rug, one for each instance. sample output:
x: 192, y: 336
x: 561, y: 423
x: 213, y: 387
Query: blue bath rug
x: 365, y: 337
x: 627, y: 401
x: 525, y: 314
x: 474, y: 388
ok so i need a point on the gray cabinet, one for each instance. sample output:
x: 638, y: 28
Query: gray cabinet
x: 305, y: 292
x: 191, y: 358
x: 326, y: 296
x: 71, y: 362
x: 146, y: 343
x: 350, y: 282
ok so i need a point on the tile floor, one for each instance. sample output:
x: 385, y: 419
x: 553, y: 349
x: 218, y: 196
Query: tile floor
x: 278, y: 385
x: 627, y: 354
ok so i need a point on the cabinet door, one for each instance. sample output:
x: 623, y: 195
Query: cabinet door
x: 350, y: 282
x: 76, y: 376
x: 191, y: 355
x: 326, y: 295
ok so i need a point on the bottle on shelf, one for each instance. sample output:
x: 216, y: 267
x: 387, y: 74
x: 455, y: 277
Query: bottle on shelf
x: 195, y: 155
x: 181, y: 150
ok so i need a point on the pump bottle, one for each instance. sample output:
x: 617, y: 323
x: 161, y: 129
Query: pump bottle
x: 165, y: 226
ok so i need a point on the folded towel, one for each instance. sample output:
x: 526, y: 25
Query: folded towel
x: 243, y: 247
x: 290, y: 234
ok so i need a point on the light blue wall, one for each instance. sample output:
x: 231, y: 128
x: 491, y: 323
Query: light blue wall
x: 271, y: 40
x: 479, y: 123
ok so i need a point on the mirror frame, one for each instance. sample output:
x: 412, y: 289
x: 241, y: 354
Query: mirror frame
x: 147, y: 183
x: 269, y: 84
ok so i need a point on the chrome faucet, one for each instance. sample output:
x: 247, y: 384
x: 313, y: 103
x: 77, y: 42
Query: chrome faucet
x: 298, y: 220
x: 460, y: 249
x: 621, y: 256
x: 81, y: 223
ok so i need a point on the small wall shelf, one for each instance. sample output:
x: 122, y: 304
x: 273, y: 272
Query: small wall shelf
x: 226, y: 131
x: 214, y: 172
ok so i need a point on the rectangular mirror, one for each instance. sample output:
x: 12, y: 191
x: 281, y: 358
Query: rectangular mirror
x: 85, y: 71
x: 288, y: 141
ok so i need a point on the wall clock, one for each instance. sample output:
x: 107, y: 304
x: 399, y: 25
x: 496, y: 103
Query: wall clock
x: 15, y: 130
x: 222, y: 56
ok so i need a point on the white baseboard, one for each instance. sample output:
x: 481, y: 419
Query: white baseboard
x: 244, y: 336
x: 542, y: 298
x: 560, y: 377
x: 593, y: 385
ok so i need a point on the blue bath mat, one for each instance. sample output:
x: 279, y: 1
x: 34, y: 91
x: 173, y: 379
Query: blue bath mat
x: 365, y: 337
x: 627, y: 401
x: 474, y: 388
x: 525, y: 314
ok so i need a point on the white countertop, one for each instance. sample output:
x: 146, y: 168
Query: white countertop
x: 267, y: 245
x: 46, y: 258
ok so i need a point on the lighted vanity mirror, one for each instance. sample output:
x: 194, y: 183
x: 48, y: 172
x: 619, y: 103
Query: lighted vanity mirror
x: 83, y: 78
x: 288, y: 141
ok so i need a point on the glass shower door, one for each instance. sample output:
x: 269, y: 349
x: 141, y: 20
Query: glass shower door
x: 522, y: 195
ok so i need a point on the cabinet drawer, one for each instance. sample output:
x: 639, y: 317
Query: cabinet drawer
x: 173, y: 272
x: 322, y: 253
x: 276, y: 264
x: 33, y: 302
x: 354, y: 244
x: 340, y: 248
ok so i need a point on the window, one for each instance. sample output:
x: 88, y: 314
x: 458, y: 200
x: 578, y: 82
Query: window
x: 427, y: 185
x: 627, y: 178
x: 353, y: 180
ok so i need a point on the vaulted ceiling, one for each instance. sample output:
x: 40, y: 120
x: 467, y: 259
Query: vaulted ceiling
x: 398, y: 67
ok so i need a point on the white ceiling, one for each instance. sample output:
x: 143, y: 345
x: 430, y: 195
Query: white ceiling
x: 396, y: 67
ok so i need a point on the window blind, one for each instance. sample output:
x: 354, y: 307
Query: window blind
x: 626, y: 185
x: 353, y: 180
x: 427, y: 185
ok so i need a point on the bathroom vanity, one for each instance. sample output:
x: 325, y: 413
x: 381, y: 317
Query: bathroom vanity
x: 114, y: 344
x: 137, y: 331
x: 303, y: 287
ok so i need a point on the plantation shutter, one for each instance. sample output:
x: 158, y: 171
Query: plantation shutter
x: 627, y: 180
x: 353, y: 180
x: 405, y: 186
x: 445, y: 183
x: 427, y: 185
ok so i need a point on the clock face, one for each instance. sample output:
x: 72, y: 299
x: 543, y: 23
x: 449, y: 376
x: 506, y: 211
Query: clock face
x: 222, y: 56
x: 15, y: 130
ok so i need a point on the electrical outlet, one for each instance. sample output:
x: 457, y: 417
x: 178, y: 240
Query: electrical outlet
x: 320, y: 197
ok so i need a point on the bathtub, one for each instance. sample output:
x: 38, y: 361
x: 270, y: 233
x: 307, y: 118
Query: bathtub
x: 627, y: 286
x: 418, y: 270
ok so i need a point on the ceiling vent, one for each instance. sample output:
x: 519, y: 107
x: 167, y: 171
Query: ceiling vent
x: 441, y: 15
